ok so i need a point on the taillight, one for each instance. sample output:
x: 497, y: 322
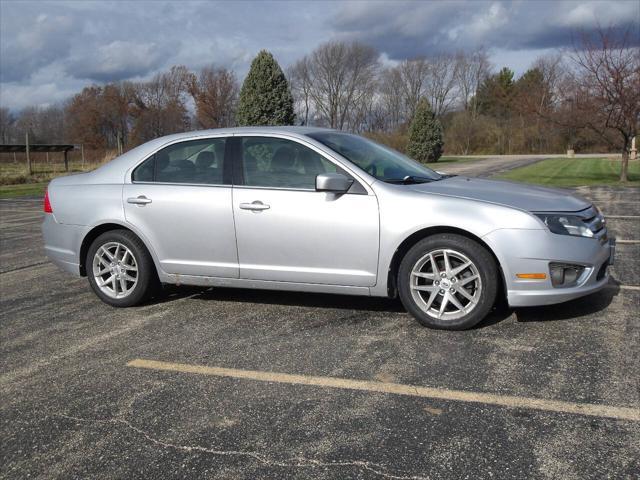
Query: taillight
x: 47, y: 203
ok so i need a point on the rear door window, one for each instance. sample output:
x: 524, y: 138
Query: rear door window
x: 190, y: 162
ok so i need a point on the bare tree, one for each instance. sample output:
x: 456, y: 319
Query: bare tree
x: 84, y: 124
x: 299, y: 77
x: 553, y: 71
x: 440, y: 82
x: 215, y: 93
x: 343, y: 76
x: 6, y: 125
x: 471, y: 70
x: 537, y: 102
x: 391, y: 101
x: 115, y: 103
x: 412, y: 73
x: 401, y: 88
x: 44, y: 124
x: 160, y: 104
x: 468, y: 127
x: 608, y: 87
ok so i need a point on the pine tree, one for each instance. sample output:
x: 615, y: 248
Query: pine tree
x: 265, y: 97
x: 425, y: 135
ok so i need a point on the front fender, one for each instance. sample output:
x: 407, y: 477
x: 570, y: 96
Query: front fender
x: 405, y: 215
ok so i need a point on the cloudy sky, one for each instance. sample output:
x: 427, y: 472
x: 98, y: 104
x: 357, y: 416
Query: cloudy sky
x: 50, y: 50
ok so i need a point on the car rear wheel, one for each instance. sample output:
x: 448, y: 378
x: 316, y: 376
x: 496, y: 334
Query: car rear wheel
x: 448, y: 281
x: 120, y: 269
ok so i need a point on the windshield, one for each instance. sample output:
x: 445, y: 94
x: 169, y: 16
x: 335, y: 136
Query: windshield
x: 379, y: 161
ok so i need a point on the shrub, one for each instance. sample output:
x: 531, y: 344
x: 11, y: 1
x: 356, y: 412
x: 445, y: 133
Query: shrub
x: 425, y: 135
x: 396, y: 140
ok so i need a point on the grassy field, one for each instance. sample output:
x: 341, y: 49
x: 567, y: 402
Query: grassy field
x: 23, y: 189
x: 574, y: 172
x: 14, y: 173
x: 15, y: 181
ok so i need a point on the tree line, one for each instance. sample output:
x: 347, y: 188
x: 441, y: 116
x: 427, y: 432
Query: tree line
x: 586, y: 98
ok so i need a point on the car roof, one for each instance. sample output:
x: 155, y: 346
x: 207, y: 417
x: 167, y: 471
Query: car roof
x: 296, y: 130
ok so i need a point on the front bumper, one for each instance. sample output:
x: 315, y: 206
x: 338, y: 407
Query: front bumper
x: 531, y: 251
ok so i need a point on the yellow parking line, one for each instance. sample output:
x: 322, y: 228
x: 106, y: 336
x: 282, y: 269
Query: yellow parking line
x: 619, y: 413
x: 628, y: 287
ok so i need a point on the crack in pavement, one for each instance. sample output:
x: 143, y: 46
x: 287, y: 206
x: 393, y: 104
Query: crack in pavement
x: 296, y: 462
x: 24, y: 267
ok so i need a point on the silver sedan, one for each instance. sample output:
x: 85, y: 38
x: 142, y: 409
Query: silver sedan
x: 316, y: 210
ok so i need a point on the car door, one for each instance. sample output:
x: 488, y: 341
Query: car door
x: 287, y: 231
x: 179, y: 199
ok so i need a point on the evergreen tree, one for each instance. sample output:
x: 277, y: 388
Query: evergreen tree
x: 425, y: 135
x: 265, y: 97
x: 495, y: 95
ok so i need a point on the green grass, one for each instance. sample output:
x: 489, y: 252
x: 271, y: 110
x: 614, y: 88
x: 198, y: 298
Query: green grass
x: 574, y: 172
x: 23, y: 189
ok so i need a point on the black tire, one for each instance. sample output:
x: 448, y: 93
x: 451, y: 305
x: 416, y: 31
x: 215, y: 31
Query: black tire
x: 147, y: 279
x: 476, y: 253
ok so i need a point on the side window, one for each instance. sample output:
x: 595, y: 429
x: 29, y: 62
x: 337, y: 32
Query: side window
x: 275, y: 162
x: 195, y: 161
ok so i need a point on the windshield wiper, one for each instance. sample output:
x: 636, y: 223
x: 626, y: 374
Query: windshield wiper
x: 445, y: 175
x: 409, y: 179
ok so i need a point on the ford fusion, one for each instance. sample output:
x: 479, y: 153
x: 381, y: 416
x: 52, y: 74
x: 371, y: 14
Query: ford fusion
x: 316, y: 210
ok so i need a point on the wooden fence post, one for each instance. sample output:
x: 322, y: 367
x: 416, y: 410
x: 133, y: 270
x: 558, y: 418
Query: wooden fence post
x: 26, y: 141
x: 66, y: 162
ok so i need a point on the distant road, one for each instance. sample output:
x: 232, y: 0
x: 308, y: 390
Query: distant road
x: 493, y: 164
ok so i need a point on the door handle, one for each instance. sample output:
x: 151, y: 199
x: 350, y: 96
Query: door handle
x: 141, y: 200
x: 255, y: 206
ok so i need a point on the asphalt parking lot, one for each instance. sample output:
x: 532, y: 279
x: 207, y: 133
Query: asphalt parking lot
x: 220, y: 383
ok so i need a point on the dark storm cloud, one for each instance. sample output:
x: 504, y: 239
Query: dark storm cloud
x: 49, y: 49
x: 26, y: 48
x: 406, y: 29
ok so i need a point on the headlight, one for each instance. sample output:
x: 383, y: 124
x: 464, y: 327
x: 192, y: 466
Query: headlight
x: 565, y: 224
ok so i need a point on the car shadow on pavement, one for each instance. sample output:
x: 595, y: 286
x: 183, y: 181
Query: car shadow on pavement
x: 277, y: 297
x: 312, y: 300
x: 580, y: 307
x: 500, y: 312
x: 573, y: 309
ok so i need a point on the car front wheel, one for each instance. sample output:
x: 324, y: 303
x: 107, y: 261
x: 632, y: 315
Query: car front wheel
x: 448, y: 281
x: 120, y: 269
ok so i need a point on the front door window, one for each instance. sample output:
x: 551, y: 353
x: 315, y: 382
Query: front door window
x: 280, y: 163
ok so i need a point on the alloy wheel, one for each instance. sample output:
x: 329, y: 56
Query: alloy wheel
x: 445, y: 284
x: 115, y: 270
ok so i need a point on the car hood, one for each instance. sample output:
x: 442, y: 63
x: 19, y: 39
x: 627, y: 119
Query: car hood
x: 510, y: 194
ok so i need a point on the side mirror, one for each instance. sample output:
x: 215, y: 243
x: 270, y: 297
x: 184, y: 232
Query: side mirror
x: 333, y: 182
